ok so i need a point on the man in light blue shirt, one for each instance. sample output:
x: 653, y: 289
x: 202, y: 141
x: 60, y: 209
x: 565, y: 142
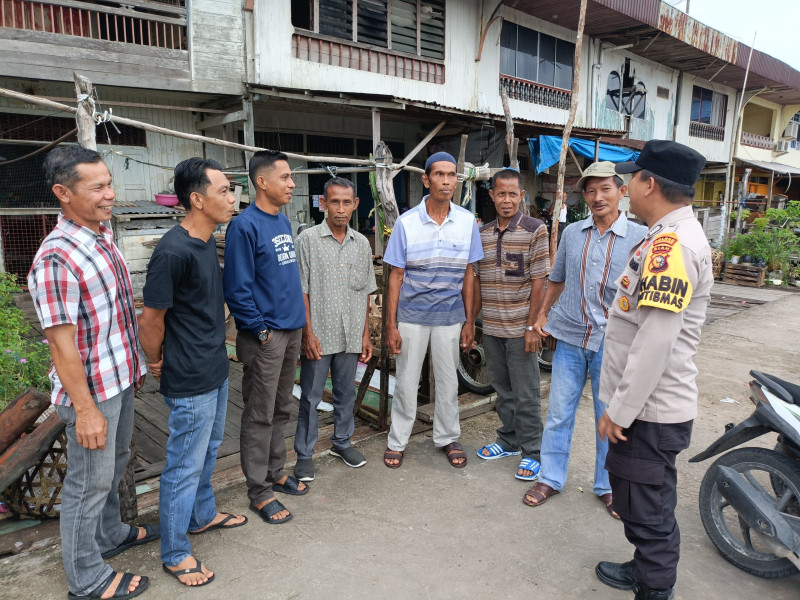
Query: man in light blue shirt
x: 590, y: 258
x: 430, y: 298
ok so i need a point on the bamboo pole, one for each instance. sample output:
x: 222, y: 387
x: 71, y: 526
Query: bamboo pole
x: 573, y: 107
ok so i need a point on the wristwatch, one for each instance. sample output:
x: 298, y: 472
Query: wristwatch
x: 529, y: 328
x: 263, y: 335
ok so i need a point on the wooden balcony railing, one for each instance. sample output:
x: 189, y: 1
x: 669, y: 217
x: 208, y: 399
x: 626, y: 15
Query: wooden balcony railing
x: 157, y: 23
x: 530, y: 91
x: 708, y: 132
x: 757, y: 141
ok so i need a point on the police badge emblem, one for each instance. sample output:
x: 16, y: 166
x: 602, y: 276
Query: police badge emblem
x: 625, y: 282
x: 624, y: 304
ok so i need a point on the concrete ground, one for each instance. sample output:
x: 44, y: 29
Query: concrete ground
x: 427, y: 530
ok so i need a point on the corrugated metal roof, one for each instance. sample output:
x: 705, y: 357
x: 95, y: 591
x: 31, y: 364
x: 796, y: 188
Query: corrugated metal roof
x: 666, y: 35
x: 770, y: 166
x: 144, y: 207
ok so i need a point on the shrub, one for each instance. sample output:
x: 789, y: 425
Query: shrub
x: 23, y: 360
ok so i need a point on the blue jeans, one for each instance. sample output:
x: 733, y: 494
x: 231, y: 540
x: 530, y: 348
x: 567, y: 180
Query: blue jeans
x: 570, y: 367
x: 90, y: 522
x: 186, y: 502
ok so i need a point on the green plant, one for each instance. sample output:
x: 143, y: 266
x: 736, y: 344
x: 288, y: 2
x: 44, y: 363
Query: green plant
x: 23, y: 360
x: 733, y: 246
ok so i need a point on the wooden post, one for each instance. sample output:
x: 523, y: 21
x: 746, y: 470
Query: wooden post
x: 385, y: 192
x: 85, y: 116
x: 573, y: 107
x: 20, y: 414
x: 462, y: 152
x: 86, y: 138
x: 376, y: 139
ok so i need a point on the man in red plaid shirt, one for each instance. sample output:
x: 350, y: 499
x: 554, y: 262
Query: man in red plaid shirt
x: 82, y: 292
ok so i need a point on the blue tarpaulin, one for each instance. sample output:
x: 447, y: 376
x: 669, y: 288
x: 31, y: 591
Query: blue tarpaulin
x: 545, y: 151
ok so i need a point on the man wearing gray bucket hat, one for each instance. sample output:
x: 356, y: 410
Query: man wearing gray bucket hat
x: 648, y: 376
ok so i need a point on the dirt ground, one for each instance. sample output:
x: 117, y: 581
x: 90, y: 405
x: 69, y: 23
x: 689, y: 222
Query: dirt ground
x: 430, y: 531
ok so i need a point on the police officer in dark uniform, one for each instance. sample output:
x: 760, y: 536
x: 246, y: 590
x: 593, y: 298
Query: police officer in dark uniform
x: 648, y: 378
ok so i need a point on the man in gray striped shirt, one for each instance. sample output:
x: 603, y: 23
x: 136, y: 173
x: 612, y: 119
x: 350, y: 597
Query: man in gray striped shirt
x: 590, y: 258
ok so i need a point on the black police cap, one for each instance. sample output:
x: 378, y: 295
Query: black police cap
x: 670, y: 160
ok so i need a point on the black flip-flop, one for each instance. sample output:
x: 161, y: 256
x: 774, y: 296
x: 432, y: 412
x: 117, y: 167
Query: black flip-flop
x: 151, y: 533
x: 198, y: 568
x: 221, y: 524
x: 120, y: 592
x: 291, y: 486
x: 269, y: 509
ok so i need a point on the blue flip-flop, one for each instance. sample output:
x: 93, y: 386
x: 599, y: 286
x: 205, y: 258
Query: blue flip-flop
x: 528, y: 464
x: 496, y: 451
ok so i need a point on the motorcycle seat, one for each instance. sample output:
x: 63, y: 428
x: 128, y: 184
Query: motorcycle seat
x: 789, y: 392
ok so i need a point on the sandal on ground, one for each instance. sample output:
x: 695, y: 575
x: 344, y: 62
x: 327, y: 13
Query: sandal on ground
x: 454, y: 451
x: 198, y: 568
x: 393, y: 455
x: 540, y: 493
x: 528, y: 464
x: 291, y: 486
x: 496, y: 451
x: 120, y: 592
x: 269, y: 509
x: 152, y: 532
x: 223, y: 524
x: 608, y: 500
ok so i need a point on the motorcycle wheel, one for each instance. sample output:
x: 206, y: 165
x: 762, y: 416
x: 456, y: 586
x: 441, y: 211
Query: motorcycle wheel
x: 472, y: 371
x: 545, y: 359
x: 733, y: 538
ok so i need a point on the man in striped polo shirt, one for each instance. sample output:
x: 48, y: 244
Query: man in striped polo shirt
x: 431, y: 249
x: 590, y: 258
x: 510, y: 289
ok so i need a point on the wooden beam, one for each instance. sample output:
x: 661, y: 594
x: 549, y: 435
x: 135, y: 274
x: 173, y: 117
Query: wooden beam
x: 376, y: 141
x: 575, y: 158
x: 513, y: 161
x: 573, y: 107
x: 20, y: 414
x: 210, y: 123
x: 419, y: 147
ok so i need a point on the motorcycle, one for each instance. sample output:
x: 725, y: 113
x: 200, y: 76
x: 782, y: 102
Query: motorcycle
x: 750, y: 497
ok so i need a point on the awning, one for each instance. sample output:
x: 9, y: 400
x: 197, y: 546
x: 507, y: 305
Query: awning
x: 546, y: 149
x: 770, y: 166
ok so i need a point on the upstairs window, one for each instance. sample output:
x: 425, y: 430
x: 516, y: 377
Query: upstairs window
x: 409, y: 26
x: 708, y: 107
x: 538, y: 57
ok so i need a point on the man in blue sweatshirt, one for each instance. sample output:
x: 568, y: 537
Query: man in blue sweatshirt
x: 262, y: 288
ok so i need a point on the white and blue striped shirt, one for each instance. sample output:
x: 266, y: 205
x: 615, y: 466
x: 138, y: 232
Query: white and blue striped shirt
x: 434, y: 258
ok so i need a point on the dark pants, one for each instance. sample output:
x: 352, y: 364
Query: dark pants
x: 313, y: 375
x: 644, y: 482
x: 267, y: 383
x: 514, y: 374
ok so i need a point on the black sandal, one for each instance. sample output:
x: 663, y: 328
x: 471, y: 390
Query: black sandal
x: 198, y: 568
x: 271, y: 508
x: 120, y: 592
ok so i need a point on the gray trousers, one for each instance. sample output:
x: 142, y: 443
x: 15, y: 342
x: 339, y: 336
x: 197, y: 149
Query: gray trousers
x: 313, y: 375
x: 90, y: 521
x: 267, y: 384
x: 444, y: 354
x: 514, y: 374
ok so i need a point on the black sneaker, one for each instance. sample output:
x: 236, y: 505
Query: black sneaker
x: 304, y: 469
x: 350, y: 456
x: 617, y: 575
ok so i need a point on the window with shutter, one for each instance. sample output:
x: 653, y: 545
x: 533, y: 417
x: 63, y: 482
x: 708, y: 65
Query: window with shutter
x: 336, y: 18
x: 431, y: 29
x: 372, y: 17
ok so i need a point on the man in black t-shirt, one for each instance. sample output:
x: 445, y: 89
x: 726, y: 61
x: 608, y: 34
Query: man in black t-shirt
x: 182, y: 331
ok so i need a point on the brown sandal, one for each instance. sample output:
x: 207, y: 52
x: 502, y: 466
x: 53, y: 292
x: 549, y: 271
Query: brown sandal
x: 393, y: 455
x: 540, y: 493
x: 454, y: 451
x: 607, y: 499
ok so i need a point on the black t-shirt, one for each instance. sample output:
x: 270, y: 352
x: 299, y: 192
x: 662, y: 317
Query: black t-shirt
x: 184, y: 277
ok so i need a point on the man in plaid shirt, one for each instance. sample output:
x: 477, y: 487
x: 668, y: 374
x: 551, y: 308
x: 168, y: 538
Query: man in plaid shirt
x: 82, y: 292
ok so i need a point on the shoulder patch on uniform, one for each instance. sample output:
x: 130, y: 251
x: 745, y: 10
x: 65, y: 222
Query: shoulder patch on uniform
x: 665, y: 283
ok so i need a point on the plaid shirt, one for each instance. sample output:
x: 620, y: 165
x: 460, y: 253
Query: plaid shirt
x: 79, y: 278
